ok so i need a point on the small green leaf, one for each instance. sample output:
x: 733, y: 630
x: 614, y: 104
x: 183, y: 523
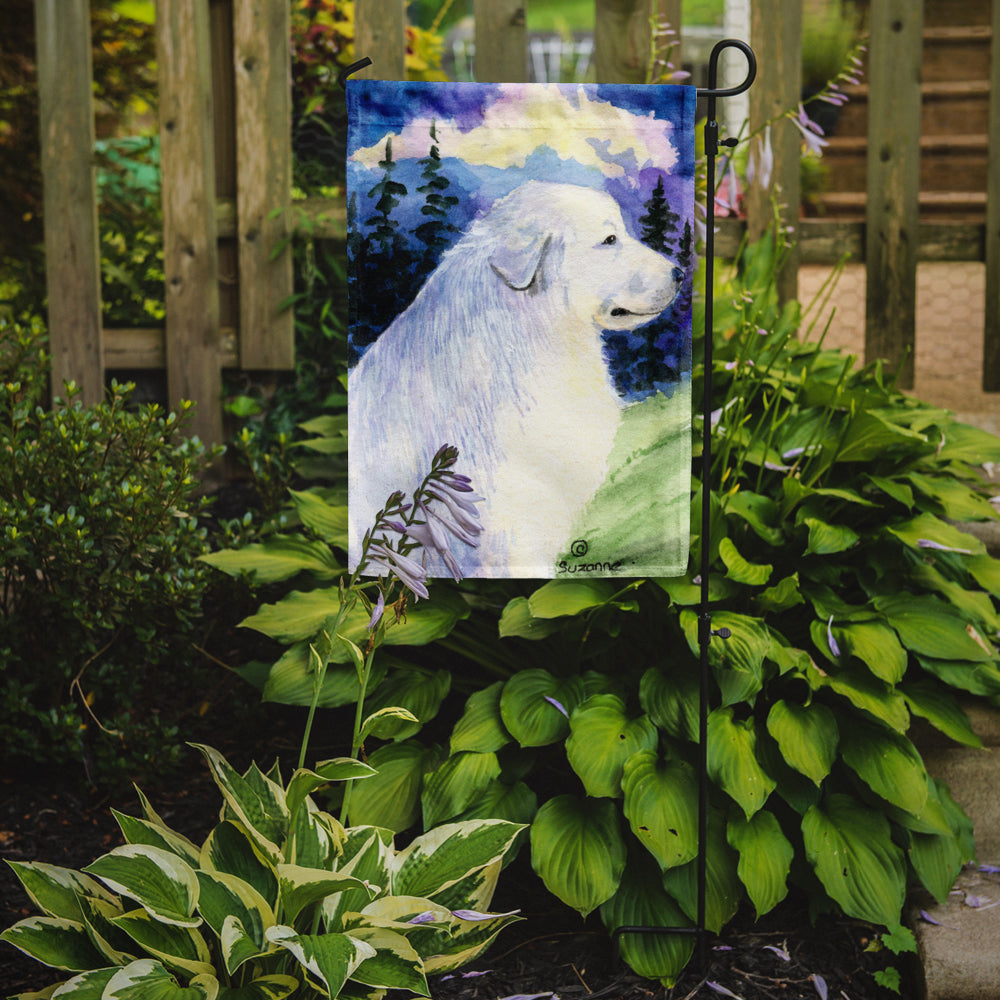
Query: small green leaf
x: 56, y: 891
x: 383, y: 724
x: 888, y: 763
x: 456, y: 785
x: 54, y: 941
x: 147, y: 979
x: 936, y: 704
x: 661, y: 798
x: 765, y: 858
x: 558, y: 598
x: 670, y: 698
x: 327, y: 520
x: 181, y: 948
x: 330, y: 958
x: 932, y: 628
x: 807, y: 736
x: 535, y: 706
x: 828, y: 539
x: 279, y: 558
x: 481, y: 727
x: 391, y: 798
x: 301, y: 887
x: 739, y: 569
x: 732, y: 760
x: 418, y: 690
x: 850, y: 847
x: 578, y: 851
x: 601, y: 740
x: 517, y: 620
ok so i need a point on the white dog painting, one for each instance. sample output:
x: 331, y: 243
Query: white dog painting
x: 501, y: 355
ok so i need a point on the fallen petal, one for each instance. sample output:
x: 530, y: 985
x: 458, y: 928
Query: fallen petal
x: 558, y: 705
x: 719, y: 988
x: 820, y: 983
x: 780, y: 952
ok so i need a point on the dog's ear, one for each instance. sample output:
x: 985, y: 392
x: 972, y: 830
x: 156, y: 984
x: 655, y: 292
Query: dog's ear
x: 518, y: 259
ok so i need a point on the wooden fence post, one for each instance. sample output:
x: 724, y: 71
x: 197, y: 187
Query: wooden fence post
x: 893, y: 183
x: 776, y: 34
x: 380, y: 34
x: 190, y: 251
x: 991, y: 333
x: 262, y: 61
x: 621, y: 40
x: 72, y: 255
x: 501, y: 41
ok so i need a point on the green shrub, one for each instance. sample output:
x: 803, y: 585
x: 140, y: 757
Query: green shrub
x: 854, y: 604
x: 279, y: 900
x: 99, y: 541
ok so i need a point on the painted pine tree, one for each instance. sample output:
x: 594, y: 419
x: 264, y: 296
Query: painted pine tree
x: 436, y: 233
x: 659, y: 223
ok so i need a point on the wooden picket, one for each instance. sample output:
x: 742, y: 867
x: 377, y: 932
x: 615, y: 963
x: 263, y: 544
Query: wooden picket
x: 226, y: 160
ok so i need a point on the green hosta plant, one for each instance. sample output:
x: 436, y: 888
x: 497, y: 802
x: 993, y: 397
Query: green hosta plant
x: 855, y: 604
x: 279, y: 900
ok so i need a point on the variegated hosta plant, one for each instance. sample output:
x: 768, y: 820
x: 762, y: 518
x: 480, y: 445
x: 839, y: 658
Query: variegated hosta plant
x: 279, y: 900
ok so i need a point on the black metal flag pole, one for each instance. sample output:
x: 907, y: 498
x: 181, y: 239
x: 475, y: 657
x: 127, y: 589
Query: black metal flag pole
x: 705, y: 631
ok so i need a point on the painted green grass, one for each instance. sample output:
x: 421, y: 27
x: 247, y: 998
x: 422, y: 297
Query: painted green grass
x: 638, y: 521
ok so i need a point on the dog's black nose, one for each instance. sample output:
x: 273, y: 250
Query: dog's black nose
x: 677, y: 273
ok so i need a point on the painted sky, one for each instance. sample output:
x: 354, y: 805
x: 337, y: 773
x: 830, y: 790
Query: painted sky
x: 619, y: 138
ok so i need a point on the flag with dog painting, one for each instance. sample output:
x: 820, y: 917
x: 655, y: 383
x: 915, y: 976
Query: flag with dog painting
x: 520, y: 284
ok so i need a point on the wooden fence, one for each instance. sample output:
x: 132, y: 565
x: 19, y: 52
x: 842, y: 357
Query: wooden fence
x: 226, y: 161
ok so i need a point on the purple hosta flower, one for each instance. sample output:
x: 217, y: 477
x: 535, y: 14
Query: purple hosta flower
x: 812, y: 134
x: 383, y: 560
x: 780, y: 952
x: 377, y: 612
x: 927, y: 543
x: 558, y: 705
x: 834, y: 648
x: 475, y: 915
x: 727, y: 199
x: 761, y: 163
x: 427, y: 917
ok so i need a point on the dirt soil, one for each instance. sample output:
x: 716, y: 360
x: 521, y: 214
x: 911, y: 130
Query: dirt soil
x: 551, y: 953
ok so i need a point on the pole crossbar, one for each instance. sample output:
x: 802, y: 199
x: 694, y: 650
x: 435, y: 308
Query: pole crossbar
x: 705, y: 630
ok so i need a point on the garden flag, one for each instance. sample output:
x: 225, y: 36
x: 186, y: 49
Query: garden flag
x: 520, y: 266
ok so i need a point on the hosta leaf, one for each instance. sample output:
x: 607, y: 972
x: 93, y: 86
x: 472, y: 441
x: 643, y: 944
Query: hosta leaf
x: 327, y: 520
x: 807, y: 736
x: 530, y: 706
x: 180, y: 948
x: 928, y: 528
x: 230, y: 849
x: 481, y: 727
x: 56, y: 891
x: 765, y: 858
x: 956, y: 500
x: 456, y: 784
x: 641, y: 901
x: 54, y: 941
x: 941, y: 709
x: 670, y: 698
x: 828, y: 539
x: 141, y: 831
x: 937, y: 860
x: 888, y: 763
x: 602, y: 738
x: 260, y: 809
x: 869, y: 436
x: 850, y: 848
x: 569, y: 597
x: 723, y: 889
x: 465, y: 941
x: 441, y: 857
x: 578, y: 851
x: 661, y: 798
x: 395, y: 964
x: 280, y: 557
x: 739, y: 569
x: 301, y: 887
x: 876, y: 646
x: 367, y: 856
x: 760, y: 512
x: 391, y: 798
x: 225, y: 897
x: 147, y: 979
x: 330, y: 959
x: 304, y: 782
x: 291, y: 680
x: 931, y: 628
x: 986, y: 571
x: 98, y: 916
x: 738, y: 661
x: 159, y: 881
x: 86, y: 986
x: 274, y: 987
x: 516, y: 803
x: 976, y: 678
x: 415, y: 689
x: 732, y: 760
x: 866, y: 692
x: 517, y: 620
x: 683, y: 591
x: 783, y: 595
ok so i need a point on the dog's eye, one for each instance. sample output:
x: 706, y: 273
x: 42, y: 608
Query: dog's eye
x: 608, y: 240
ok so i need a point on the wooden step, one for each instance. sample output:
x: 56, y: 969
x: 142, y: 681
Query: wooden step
x: 957, y: 206
x: 947, y: 163
x: 940, y: 13
x: 945, y: 106
x: 956, y: 53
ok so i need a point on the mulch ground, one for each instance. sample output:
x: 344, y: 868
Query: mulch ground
x: 550, y: 953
